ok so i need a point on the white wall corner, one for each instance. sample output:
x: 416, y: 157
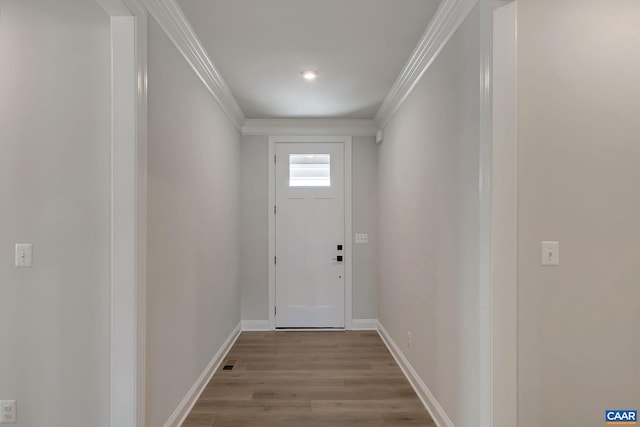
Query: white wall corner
x: 364, y: 324
x: 427, y: 398
x: 174, y: 23
x: 128, y: 210
x: 310, y: 127
x: 444, y: 24
x: 178, y: 416
x: 255, y: 325
x: 485, y: 416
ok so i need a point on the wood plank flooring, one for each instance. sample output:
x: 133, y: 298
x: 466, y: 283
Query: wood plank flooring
x: 309, y: 379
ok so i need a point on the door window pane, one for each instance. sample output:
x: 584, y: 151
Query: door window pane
x: 309, y: 170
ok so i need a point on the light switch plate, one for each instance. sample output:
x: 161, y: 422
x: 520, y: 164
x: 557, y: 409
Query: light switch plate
x: 24, y: 255
x: 8, y: 413
x: 550, y: 253
x: 362, y: 238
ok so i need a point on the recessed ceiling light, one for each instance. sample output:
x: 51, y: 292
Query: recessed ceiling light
x: 309, y: 74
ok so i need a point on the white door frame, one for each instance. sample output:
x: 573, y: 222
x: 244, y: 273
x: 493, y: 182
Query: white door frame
x: 504, y: 213
x: 487, y: 402
x: 128, y: 210
x: 348, y: 226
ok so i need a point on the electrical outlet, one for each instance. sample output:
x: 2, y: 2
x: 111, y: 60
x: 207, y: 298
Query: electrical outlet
x: 362, y: 238
x: 8, y: 413
x: 409, y: 339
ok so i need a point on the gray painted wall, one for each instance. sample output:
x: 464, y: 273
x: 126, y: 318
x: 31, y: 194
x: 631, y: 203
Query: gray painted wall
x: 193, y: 295
x: 428, y: 207
x: 254, y: 229
x: 365, y: 220
x: 55, y: 193
x: 578, y: 183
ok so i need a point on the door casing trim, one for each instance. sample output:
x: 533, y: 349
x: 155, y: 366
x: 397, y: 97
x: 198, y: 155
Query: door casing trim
x: 348, y: 218
x: 127, y: 379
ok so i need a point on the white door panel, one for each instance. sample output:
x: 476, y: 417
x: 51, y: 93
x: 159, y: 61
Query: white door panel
x: 309, y: 228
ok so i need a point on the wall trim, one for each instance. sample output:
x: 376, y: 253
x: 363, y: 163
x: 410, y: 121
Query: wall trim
x: 271, y: 232
x: 124, y: 364
x: 128, y: 211
x: 485, y: 294
x: 348, y: 226
x: 427, y: 398
x: 445, y: 22
x: 255, y: 325
x: 348, y: 232
x: 364, y: 324
x: 174, y: 23
x: 334, y: 127
x: 141, y: 154
x: 178, y: 416
x: 504, y: 289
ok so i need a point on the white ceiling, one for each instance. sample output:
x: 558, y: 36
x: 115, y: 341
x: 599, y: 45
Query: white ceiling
x: 261, y: 46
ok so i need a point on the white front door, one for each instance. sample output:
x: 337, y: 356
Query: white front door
x: 310, y: 235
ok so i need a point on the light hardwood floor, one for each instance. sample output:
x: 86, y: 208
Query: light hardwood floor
x: 309, y: 379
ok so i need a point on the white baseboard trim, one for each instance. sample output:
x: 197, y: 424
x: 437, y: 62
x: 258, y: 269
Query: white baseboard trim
x: 356, y: 325
x: 364, y: 324
x: 182, y: 411
x: 255, y: 325
x: 428, y: 399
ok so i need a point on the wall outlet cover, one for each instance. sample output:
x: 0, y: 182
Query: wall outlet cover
x: 550, y: 253
x: 362, y: 238
x: 8, y: 412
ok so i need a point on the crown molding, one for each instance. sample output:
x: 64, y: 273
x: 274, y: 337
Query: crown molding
x: 174, y: 23
x: 445, y: 22
x: 302, y: 127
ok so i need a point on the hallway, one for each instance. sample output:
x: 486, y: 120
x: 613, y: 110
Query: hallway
x: 296, y: 379
x: 474, y: 164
